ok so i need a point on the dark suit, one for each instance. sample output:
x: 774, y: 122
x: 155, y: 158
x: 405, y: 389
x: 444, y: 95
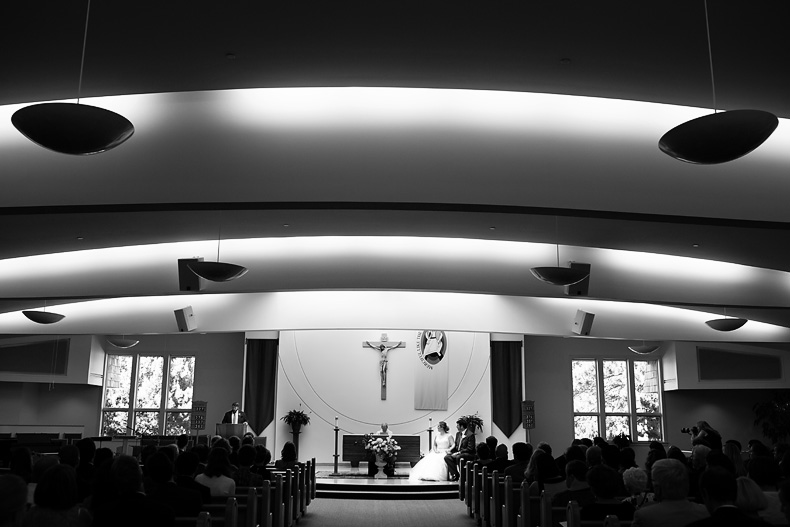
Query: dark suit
x: 183, y: 501
x: 228, y: 417
x: 465, y: 450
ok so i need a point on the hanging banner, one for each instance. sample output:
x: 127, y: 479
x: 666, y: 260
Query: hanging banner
x: 431, y: 371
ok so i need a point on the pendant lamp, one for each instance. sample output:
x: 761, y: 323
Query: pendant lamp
x: 726, y: 323
x: 646, y: 348
x: 719, y: 137
x: 559, y: 275
x: 217, y: 271
x: 122, y: 342
x: 76, y: 129
x: 43, y: 317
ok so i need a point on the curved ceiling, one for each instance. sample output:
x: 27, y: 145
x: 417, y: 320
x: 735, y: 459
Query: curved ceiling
x: 495, y: 123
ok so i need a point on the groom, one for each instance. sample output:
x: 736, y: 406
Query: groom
x: 464, y: 449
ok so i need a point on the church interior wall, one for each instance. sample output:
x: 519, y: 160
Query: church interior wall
x: 331, y: 373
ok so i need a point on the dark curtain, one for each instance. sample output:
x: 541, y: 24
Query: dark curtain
x: 261, y: 382
x: 506, y: 385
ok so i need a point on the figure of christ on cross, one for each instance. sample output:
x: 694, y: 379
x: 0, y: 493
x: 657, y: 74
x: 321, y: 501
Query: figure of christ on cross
x: 383, y: 347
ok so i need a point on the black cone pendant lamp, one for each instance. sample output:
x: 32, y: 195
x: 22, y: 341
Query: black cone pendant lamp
x: 76, y: 129
x: 646, y: 348
x: 719, y: 137
x: 217, y: 271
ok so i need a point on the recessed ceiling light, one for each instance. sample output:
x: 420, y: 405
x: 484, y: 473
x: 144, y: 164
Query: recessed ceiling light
x: 286, y: 225
x: 492, y: 228
x: 230, y: 56
x: 695, y: 245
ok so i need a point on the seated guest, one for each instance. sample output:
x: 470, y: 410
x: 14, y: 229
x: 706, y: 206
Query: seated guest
x: 542, y: 474
x: 764, y: 471
x: 262, y: 459
x: 182, y: 442
x: 43, y: 464
x: 85, y: 468
x: 57, y: 500
x: 235, y: 444
x: 217, y: 474
x: 563, y: 459
x: 102, y: 455
x: 604, y: 482
x: 670, y: 480
x: 627, y: 459
x: 635, y: 481
x: 287, y: 457
x: 750, y: 499
x: 675, y: 452
x: 719, y: 490
x: 21, y: 463
x: 500, y: 462
x: 13, y: 500
x: 183, y: 501
x: 201, y: 451
x: 522, y: 452
x: 69, y: 455
x: 717, y: 458
x: 593, y: 456
x: 732, y: 449
x: 483, y: 455
x: 243, y: 476
x: 578, y: 489
x: 130, y: 507
x: 186, y: 468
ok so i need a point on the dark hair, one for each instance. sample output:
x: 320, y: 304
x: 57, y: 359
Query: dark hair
x: 542, y: 466
x: 182, y: 441
x: 262, y: 455
x: 586, y: 441
x: 218, y: 463
x: 574, y: 452
x: 603, y: 481
x: 187, y: 463
x: 676, y: 453
x: 160, y: 467
x: 69, y: 455
x: 462, y: 422
x: 522, y: 451
x: 201, y: 451
x: 248, y: 440
x: 87, y: 449
x: 13, y: 497
x: 21, y: 463
x: 545, y: 447
x: 483, y: 452
x: 627, y: 457
x: 246, y: 456
x: 610, y: 455
x: 759, y: 449
x: 736, y: 443
x: 719, y: 484
x: 443, y: 426
x: 235, y: 442
x: 102, y: 454
x: 42, y: 465
x: 501, y: 451
x: 492, y: 442
x: 222, y: 443
x: 288, y: 453
x: 57, y: 489
x: 126, y: 475
x: 717, y: 458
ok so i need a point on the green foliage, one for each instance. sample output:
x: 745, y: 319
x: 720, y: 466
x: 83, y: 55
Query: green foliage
x: 296, y: 417
x: 774, y: 416
x: 475, y: 421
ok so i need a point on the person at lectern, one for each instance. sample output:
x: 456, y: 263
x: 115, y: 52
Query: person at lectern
x: 234, y: 415
x: 389, y: 469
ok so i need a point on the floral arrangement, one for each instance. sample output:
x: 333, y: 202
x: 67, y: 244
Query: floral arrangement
x: 381, y: 446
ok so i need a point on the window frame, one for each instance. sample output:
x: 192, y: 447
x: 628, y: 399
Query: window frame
x: 632, y: 414
x: 132, y: 410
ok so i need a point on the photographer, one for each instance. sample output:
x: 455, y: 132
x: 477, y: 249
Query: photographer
x: 704, y: 434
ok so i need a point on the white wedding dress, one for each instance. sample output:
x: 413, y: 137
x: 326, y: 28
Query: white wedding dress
x: 432, y: 467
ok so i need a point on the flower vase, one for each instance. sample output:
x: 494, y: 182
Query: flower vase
x: 381, y: 463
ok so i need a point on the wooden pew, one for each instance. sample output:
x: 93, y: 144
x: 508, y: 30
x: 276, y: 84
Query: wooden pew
x: 469, y: 493
x: 226, y: 515
x: 510, y: 502
x: 573, y: 517
x: 524, y: 516
x: 496, y: 499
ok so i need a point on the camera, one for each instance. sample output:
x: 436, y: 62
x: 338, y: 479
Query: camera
x: 693, y: 430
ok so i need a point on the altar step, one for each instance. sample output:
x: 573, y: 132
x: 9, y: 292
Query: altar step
x: 385, y: 489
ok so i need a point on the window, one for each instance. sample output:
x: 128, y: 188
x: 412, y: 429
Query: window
x: 617, y: 396
x: 147, y: 394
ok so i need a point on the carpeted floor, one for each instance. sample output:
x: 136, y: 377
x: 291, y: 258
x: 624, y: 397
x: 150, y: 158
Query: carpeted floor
x: 350, y: 475
x: 386, y: 513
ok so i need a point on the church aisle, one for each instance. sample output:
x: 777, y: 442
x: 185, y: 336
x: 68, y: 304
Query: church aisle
x: 386, y: 513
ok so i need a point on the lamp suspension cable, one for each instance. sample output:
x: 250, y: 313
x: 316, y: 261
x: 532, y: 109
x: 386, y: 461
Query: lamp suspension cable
x: 710, y: 58
x: 84, y: 45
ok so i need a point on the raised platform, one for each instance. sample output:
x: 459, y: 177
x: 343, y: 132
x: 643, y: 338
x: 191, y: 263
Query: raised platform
x: 398, y: 488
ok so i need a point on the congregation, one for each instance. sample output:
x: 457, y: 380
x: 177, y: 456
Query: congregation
x: 716, y: 484
x: 88, y: 487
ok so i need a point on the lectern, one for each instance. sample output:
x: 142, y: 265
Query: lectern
x: 228, y: 429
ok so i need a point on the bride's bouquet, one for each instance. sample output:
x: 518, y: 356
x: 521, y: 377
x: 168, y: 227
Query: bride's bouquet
x: 381, y: 446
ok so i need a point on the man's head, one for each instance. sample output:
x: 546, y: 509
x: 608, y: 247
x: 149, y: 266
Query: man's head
x: 670, y: 480
x: 384, y: 427
x: 575, y: 471
x: 603, y: 481
x: 461, y: 424
x: 501, y: 451
x: 522, y: 451
x: 234, y: 407
x: 718, y: 487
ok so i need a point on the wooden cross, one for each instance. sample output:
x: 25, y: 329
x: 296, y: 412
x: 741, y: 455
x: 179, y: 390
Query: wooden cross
x: 383, y: 347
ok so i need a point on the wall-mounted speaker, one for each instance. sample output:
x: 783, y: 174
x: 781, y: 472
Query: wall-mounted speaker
x: 187, y: 280
x: 583, y: 322
x: 579, y: 288
x: 185, y: 319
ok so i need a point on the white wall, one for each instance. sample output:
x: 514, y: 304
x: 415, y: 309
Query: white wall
x: 331, y: 374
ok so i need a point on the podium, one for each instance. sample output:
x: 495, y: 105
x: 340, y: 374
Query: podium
x: 227, y: 429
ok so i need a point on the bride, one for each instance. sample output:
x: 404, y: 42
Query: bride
x: 432, y: 467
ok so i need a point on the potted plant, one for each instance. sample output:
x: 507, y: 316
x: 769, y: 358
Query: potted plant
x: 295, y: 419
x: 774, y: 416
x: 475, y: 422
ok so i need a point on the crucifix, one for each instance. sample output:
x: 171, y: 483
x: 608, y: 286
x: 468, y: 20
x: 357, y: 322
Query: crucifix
x: 383, y: 347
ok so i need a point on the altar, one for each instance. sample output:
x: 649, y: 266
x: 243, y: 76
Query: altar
x: 354, y: 449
